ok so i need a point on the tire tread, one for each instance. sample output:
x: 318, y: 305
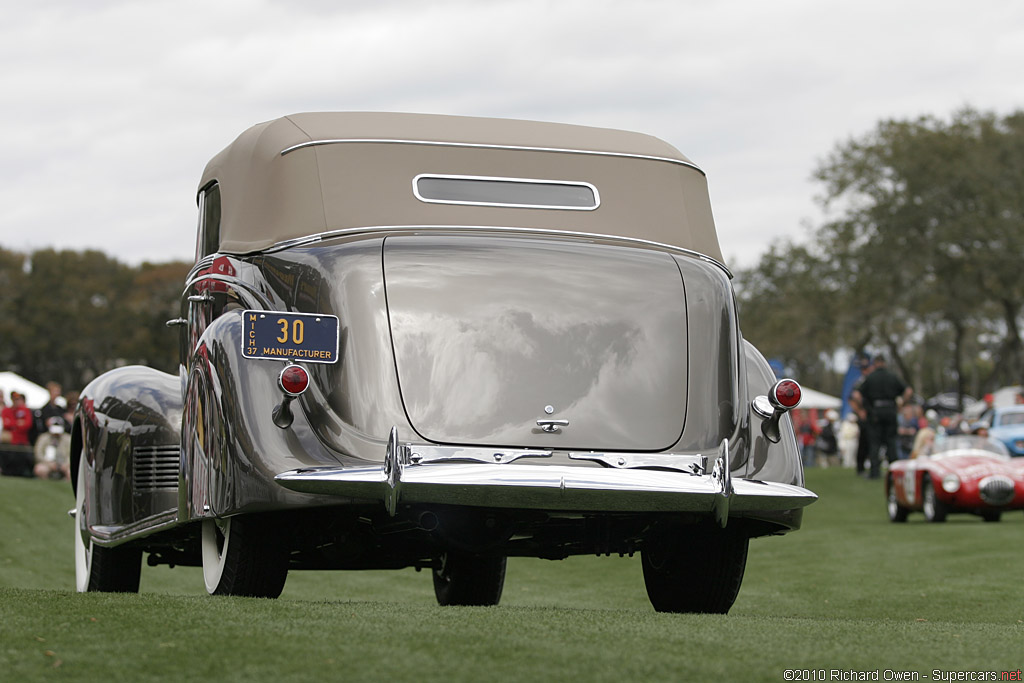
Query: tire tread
x: 695, y: 571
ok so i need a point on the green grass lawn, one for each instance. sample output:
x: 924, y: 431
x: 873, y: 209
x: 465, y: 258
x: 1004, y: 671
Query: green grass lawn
x: 849, y: 591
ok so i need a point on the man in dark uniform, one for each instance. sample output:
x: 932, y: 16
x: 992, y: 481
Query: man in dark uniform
x: 878, y: 400
x: 863, y: 426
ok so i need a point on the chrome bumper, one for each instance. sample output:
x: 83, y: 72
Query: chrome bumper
x: 407, y: 479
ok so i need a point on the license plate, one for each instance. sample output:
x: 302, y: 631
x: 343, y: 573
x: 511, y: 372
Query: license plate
x: 309, y: 337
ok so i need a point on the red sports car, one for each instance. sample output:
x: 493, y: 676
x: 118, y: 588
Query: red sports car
x: 961, y: 473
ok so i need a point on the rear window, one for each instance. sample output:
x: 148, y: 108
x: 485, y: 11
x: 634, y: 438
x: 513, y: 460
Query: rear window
x: 208, y: 241
x: 513, y: 192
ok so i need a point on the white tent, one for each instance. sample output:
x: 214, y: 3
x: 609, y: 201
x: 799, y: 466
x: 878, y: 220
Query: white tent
x: 809, y: 399
x: 35, y: 395
x: 1005, y: 396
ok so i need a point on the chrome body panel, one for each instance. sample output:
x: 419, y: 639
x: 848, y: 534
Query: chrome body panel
x: 127, y: 427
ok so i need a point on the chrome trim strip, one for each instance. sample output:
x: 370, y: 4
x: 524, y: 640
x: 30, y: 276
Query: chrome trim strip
x: 556, y: 207
x: 208, y: 276
x: 115, y: 535
x: 478, y: 145
x: 412, y: 455
x: 342, y: 232
x: 199, y: 265
x: 691, y: 464
x: 421, y: 455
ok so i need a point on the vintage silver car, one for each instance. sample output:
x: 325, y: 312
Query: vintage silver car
x: 437, y: 342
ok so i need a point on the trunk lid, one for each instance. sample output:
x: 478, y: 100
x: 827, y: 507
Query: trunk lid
x: 493, y: 333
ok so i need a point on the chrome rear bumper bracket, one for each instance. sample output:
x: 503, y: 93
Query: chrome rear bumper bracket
x: 396, y: 457
x: 722, y: 476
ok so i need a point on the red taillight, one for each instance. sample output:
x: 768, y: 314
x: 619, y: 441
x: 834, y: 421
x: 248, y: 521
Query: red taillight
x: 293, y: 380
x: 787, y: 393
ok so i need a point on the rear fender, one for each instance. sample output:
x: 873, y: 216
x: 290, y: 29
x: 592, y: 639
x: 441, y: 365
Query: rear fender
x: 769, y: 461
x: 231, y: 447
x: 127, y: 427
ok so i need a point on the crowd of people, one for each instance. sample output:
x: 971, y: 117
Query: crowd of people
x: 884, y: 425
x: 880, y: 420
x: 37, y: 442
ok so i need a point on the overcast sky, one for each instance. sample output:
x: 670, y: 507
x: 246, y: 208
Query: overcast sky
x: 110, y: 110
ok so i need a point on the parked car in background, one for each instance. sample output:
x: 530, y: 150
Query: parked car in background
x: 1007, y: 425
x: 963, y: 473
x: 437, y: 342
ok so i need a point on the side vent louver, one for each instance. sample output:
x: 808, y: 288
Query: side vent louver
x: 156, y: 468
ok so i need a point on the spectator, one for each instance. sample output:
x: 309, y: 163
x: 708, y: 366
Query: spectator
x: 52, y: 451
x: 827, y: 445
x: 54, y: 409
x: 16, y: 451
x: 879, y: 398
x: 906, y: 429
x: 849, y: 437
x: 17, y: 421
x: 925, y: 437
x: 956, y: 425
x: 807, y: 434
x: 863, y: 426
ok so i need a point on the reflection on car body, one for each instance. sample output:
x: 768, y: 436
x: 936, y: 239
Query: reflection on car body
x: 436, y: 342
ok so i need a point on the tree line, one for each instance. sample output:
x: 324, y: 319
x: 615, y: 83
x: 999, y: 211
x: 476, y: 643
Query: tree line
x: 920, y: 258
x: 68, y: 316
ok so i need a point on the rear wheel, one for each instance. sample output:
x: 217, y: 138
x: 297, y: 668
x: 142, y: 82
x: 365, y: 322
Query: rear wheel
x: 934, y: 509
x: 464, y: 579
x: 243, y: 556
x: 106, y: 570
x: 698, y: 570
x: 992, y: 515
x: 897, y: 513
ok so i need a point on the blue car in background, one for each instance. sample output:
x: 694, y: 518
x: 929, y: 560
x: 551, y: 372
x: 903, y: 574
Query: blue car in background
x: 1007, y: 425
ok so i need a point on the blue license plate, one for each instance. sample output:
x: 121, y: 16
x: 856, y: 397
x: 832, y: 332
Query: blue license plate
x: 310, y: 337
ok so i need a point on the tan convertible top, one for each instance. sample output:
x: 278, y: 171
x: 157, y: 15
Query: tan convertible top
x: 312, y: 173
